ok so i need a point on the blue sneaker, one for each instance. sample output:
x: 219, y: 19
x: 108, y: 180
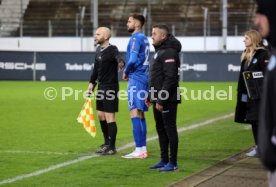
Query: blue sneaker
x: 169, y: 167
x: 160, y: 164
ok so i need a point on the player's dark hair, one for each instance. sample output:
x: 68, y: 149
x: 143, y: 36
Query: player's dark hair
x: 140, y: 18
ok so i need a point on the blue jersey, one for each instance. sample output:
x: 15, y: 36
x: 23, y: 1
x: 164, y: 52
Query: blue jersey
x: 137, y: 58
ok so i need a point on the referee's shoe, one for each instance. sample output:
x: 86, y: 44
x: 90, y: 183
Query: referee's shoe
x: 102, y: 148
x: 109, y: 151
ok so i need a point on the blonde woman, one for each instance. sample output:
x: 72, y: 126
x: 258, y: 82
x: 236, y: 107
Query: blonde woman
x: 254, y: 58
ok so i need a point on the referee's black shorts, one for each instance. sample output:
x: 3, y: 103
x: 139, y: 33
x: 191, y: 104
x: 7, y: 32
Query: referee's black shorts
x: 107, y: 98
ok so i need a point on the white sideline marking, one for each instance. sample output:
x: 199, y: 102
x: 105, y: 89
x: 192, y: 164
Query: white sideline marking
x: 38, y: 152
x: 82, y: 158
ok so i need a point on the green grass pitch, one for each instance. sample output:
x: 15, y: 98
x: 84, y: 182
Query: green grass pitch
x: 36, y: 133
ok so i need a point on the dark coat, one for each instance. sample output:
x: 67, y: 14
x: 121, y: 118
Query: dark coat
x: 163, y: 75
x: 247, y: 112
x: 267, y: 123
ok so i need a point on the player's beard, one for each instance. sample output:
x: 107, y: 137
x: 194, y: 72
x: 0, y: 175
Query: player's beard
x: 131, y: 30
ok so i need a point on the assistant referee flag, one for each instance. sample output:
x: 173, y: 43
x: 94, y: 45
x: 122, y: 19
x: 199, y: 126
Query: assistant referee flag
x: 86, y: 117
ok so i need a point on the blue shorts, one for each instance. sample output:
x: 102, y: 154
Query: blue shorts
x: 137, y: 94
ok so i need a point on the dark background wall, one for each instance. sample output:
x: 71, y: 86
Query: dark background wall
x: 56, y: 66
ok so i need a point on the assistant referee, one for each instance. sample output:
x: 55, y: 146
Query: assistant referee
x: 105, y: 73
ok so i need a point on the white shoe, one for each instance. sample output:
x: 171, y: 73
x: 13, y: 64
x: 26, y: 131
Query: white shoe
x: 252, y: 153
x: 136, y: 154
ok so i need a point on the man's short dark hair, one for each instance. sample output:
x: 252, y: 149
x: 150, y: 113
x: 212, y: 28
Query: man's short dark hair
x: 163, y: 27
x: 140, y: 18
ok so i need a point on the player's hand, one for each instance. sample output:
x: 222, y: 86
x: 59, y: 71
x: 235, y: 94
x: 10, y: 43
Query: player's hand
x: 147, y: 102
x: 125, y: 77
x: 159, y: 107
x: 121, y: 66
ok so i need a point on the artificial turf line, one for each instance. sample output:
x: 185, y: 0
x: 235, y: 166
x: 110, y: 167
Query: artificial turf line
x: 82, y: 158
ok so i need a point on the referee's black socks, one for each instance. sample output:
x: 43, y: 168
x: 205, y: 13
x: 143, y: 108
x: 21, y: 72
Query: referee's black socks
x: 105, y: 131
x: 112, y: 132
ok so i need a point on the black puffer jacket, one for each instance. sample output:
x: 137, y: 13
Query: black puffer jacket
x: 267, y: 125
x: 163, y: 78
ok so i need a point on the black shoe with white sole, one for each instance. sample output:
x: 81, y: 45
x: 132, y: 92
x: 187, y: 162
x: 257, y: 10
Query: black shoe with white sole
x: 109, y: 151
x: 102, y: 148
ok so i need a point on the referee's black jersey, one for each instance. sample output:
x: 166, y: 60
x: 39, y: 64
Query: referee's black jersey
x: 106, y: 66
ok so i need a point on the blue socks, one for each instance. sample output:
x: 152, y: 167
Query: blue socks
x: 144, y: 131
x: 137, y: 131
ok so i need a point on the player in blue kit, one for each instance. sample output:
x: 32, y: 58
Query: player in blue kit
x: 136, y: 72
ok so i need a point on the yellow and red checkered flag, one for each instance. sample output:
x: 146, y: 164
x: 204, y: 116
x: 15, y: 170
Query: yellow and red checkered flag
x: 86, y: 118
